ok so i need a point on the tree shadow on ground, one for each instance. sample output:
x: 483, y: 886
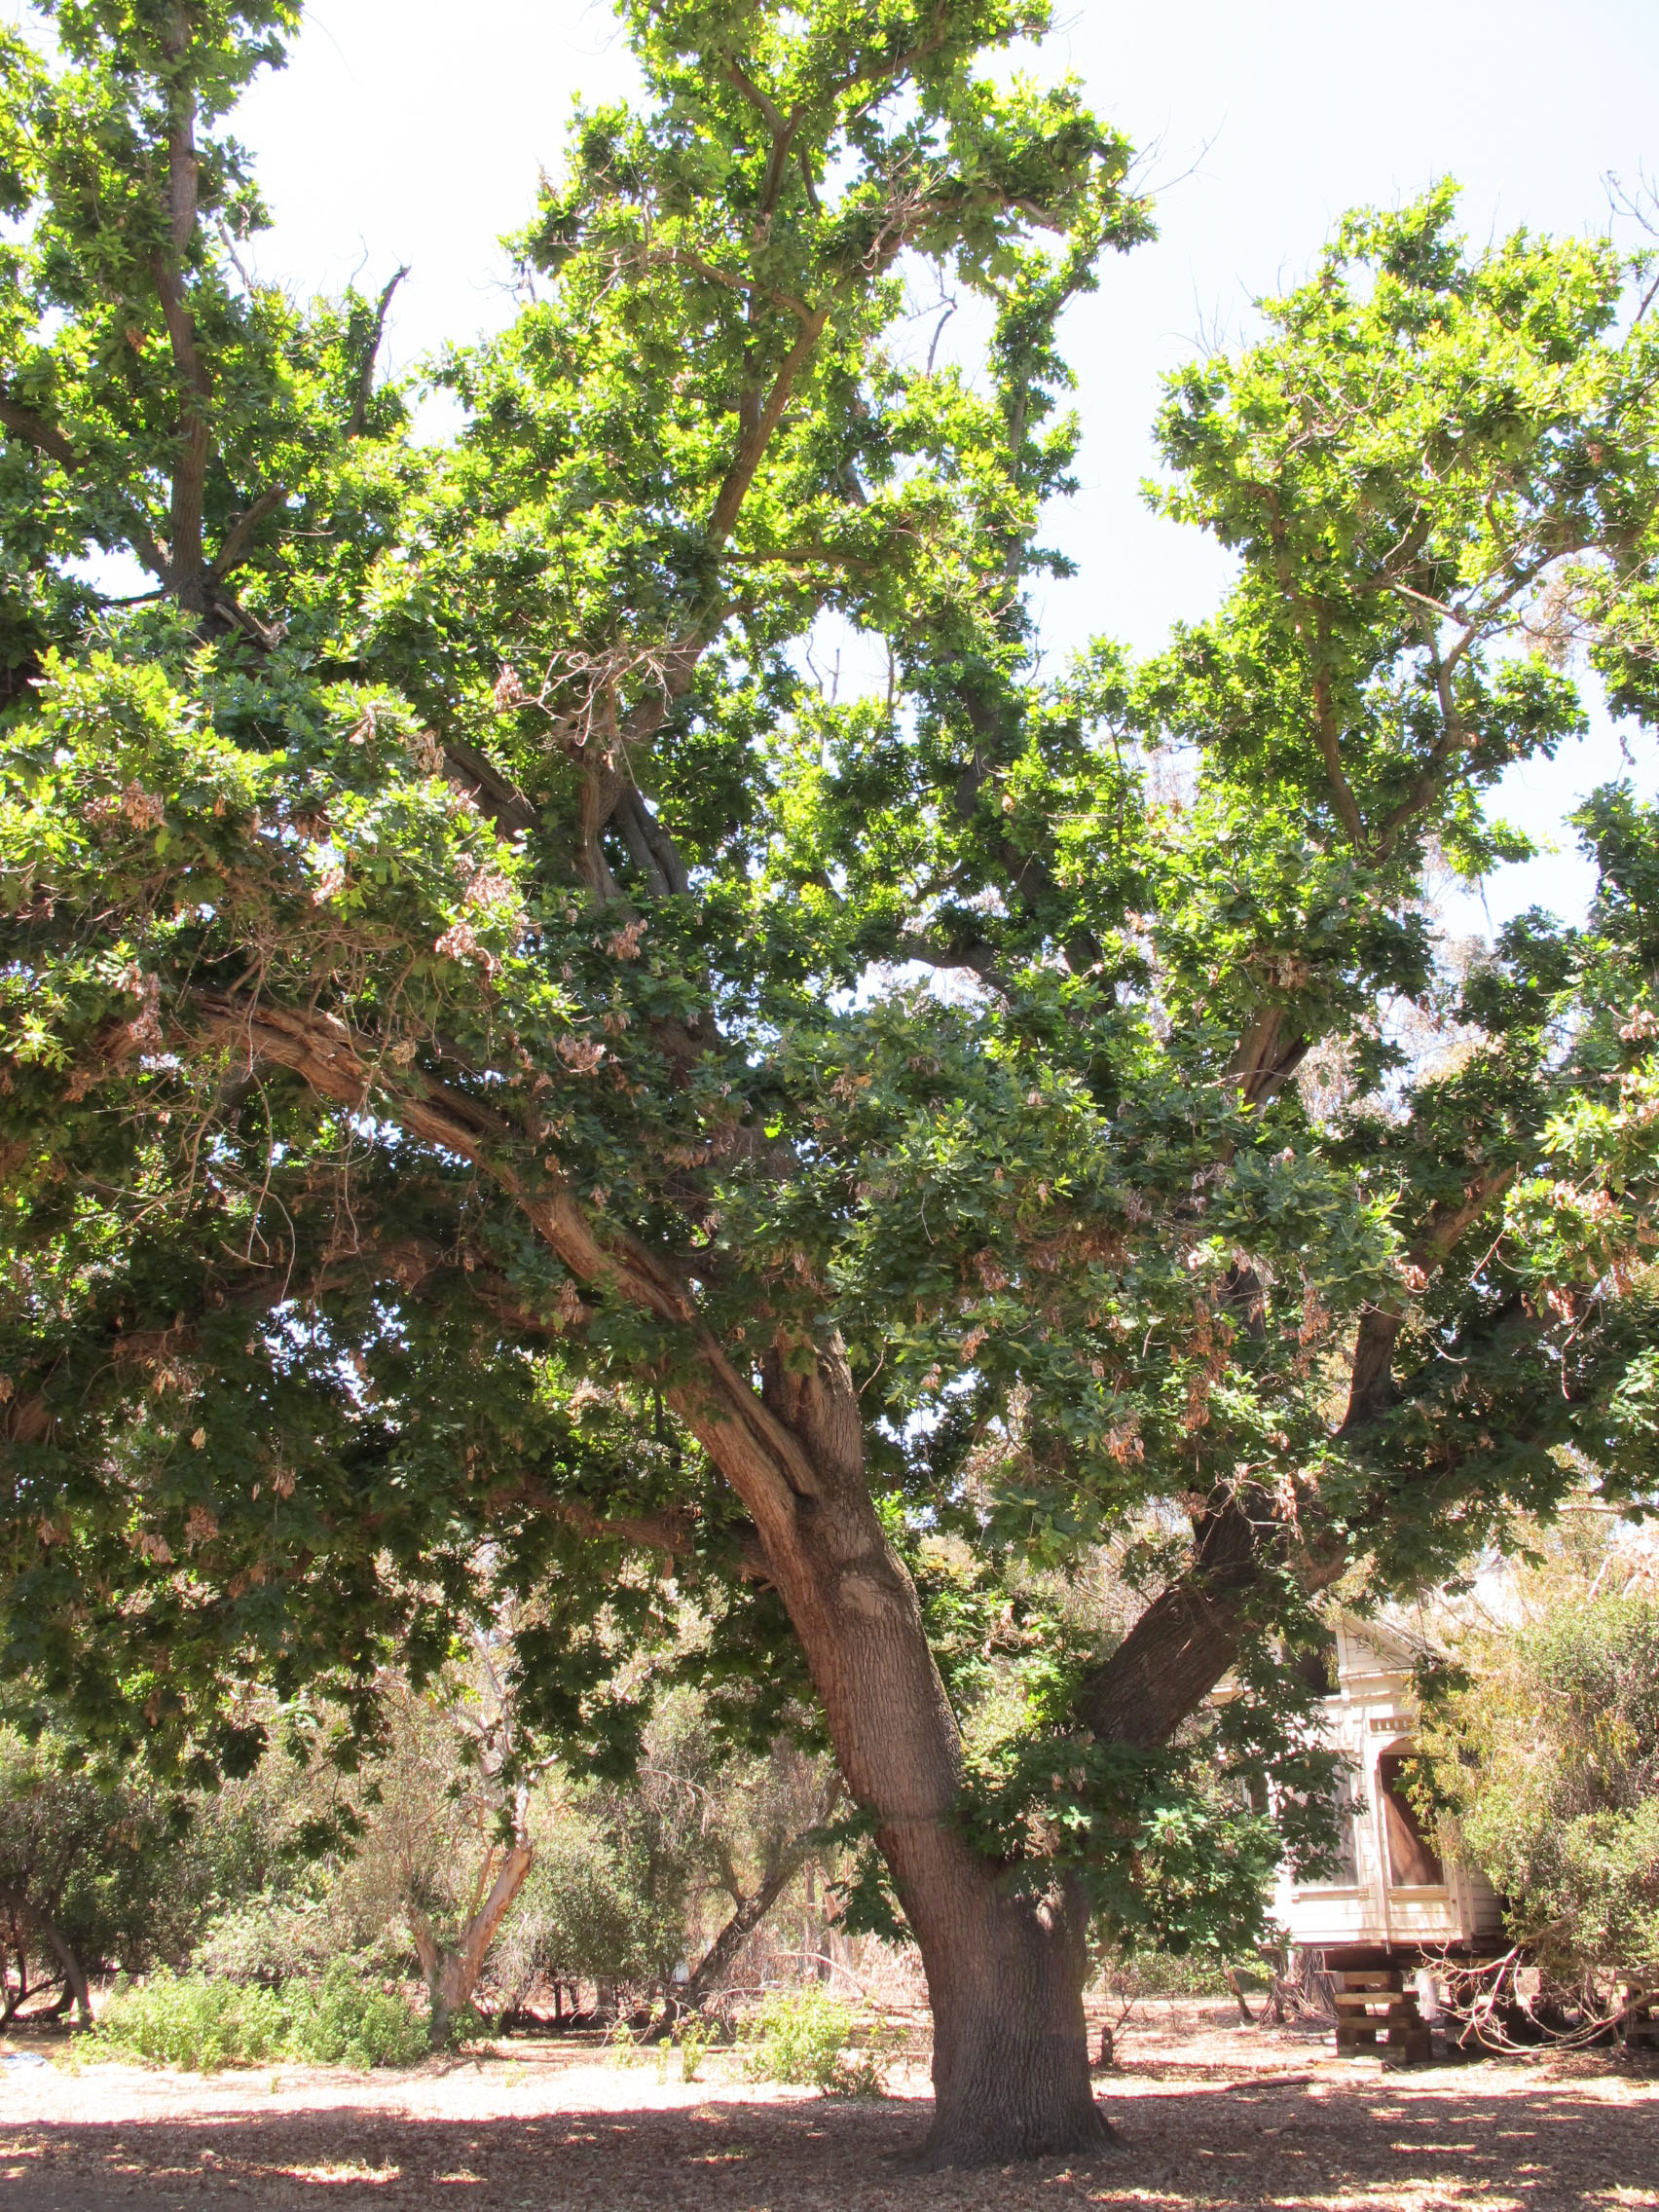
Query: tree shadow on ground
x: 1425, y: 2143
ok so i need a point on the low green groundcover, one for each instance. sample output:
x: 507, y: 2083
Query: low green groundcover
x: 199, y: 2022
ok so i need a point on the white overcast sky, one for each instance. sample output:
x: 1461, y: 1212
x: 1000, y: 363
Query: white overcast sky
x: 413, y: 131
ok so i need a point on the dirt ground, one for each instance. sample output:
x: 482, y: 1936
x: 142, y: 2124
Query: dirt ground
x: 1212, y: 2117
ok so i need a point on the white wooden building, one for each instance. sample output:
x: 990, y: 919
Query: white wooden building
x: 1389, y: 1896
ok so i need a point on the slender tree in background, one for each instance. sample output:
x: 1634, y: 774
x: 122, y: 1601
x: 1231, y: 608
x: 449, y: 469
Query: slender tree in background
x: 468, y: 1111
x: 491, y: 1790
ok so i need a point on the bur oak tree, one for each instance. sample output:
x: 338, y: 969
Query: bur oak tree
x: 510, y: 1082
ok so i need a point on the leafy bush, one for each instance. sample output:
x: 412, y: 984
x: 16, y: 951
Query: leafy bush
x: 801, y: 2037
x: 272, y: 1937
x: 1542, y: 1760
x: 345, y: 2020
x: 798, y: 2038
x: 317, y: 1898
x: 187, y: 2020
x: 201, y: 2024
x: 589, y: 1911
x: 693, y: 2040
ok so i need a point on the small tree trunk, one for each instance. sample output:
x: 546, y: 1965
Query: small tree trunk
x: 17, y: 1944
x: 72, y: 1972
x: 74, y: 1980
x: 1246, y: 2018
x: 715, y: 1962
x: 451, y: 1973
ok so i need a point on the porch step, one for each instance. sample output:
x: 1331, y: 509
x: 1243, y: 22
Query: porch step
x: 1369, y: 2004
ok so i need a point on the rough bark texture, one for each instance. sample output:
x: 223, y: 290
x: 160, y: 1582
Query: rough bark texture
x: 1011, y: 2045
x: 1005, y: 1969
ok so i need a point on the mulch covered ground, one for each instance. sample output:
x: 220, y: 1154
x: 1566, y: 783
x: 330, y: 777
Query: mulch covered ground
x: 1209, y: 2117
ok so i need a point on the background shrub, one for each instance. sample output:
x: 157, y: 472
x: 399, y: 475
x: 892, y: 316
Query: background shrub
x: 1541, y: 1762
x: 186, y: 2020
x: 346, y: 2020
x: 798, y: 2038
x: 200, y: 2025
x: 802, y: 2035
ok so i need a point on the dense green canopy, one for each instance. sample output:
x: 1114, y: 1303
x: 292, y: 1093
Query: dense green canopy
x: 509, y: 1078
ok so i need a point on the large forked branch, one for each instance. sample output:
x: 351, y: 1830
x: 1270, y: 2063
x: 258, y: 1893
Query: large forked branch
x: 452, y: 1974
x: 1267, y: 1054
x: 74, y: 1978
x: 608, y: 782
x: 756, y: 1454
x: 752, y: 445
x: 1371, y: 1383
x: 1187, y: 1638
x: 1329, y: 740
x: 758, y: 421
x: 1190, y: 1635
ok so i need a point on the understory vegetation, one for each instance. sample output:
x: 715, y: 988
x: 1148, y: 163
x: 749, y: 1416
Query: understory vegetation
x: 1540, y: 1763
x: 201, y: 2023
x: 702, y: 1899
x: 276, y: 1884
x: 707, y: 1891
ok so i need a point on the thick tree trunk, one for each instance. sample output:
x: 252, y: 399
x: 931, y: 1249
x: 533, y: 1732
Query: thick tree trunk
x: 1010, y: 2045
x: 1005, y: 1968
